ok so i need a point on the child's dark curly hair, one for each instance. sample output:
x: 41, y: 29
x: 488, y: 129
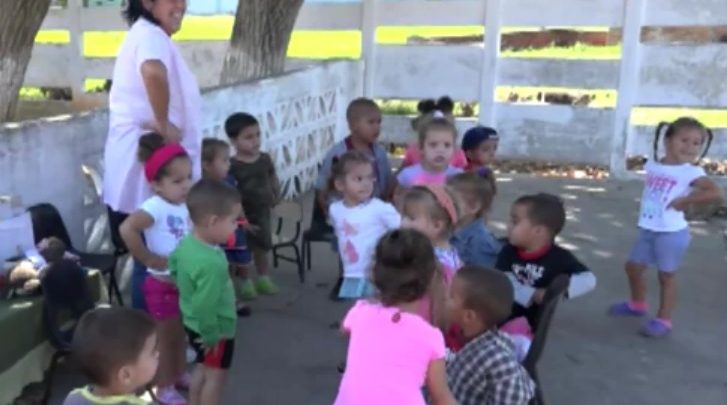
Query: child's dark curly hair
x: 150, y: 143
x: 404, y: 266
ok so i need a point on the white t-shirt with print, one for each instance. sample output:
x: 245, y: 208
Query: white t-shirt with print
x: 359, y: 229
x: 171, y: 224
x: 664, y: 183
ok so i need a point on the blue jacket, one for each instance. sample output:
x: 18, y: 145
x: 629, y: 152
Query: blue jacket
x: 476, y: 245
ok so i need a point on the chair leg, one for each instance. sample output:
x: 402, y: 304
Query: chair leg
x: 299, y: 261
x: 49, y: 377
x: 275, y: 257
x: 113, y: 289
x: 306, y: 252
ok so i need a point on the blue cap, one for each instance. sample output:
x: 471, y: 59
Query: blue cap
x: 476, y: 135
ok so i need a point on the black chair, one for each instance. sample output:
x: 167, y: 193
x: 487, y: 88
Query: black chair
x: 320, y: 231
x: 553, y: 295
x: 47, y: 222
x: 66, y: 299
x: 288, y: 211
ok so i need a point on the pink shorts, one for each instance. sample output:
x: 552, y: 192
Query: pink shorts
x: 162, y: 298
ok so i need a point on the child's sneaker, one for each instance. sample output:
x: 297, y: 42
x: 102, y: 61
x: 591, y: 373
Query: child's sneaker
x: 248, y: 292
x: 184, y: 382
x: 656, y: 328
x: 265, y: 285
x: 243, y: 311
x: 170, y: 396
x: 625, y: 309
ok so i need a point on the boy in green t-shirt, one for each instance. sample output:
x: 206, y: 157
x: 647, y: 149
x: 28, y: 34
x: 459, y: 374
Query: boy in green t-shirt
x: 206, y: 296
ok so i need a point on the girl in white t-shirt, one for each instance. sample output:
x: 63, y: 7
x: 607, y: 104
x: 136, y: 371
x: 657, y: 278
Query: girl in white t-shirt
x: 358, y: 220
x: 151, y: 234
x: 673, y: 183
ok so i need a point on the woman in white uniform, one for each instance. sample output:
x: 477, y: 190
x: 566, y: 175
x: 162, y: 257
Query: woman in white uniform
x: 152, y: 90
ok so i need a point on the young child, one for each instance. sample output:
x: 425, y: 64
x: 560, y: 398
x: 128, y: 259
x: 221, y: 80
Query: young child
x: 480, y: 145
x: 151, y: 234
x: 434, y: 211
x: 359, y: 221
x: 473, y: 240
x: 485, y: 371
x: 206, y: 295
x: 437, y: 138
x: 216, y: 166
x: 117, y: 351
x: 427, y: 110
x: 259, y: 187
x: 673, y: 183
x: 364, y: 123
x: 393, y: 352
x: 532, y: 260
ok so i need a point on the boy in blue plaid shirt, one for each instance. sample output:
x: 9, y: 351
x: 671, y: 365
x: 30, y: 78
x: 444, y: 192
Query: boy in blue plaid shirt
x: 486, y: 370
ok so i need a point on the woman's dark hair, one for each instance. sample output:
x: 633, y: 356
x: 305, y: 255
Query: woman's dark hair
x: 237, y: 122
x: 404, y: 266
x: 135, y: 9
x: 341, y: 165
x: 148, y: 144
x: 683, y: 123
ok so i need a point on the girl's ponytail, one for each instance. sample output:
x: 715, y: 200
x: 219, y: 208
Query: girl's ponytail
x: 659, y: 130
x: 148, y: 144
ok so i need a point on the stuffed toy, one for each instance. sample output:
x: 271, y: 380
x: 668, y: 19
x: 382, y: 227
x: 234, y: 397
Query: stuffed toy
x: 25, y: 277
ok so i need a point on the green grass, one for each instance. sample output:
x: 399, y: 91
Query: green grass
x: 347, y: 44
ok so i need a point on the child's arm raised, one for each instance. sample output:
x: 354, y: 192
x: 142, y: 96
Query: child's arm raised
x: 131, y: 230
x: 437, y: 384
x: 705, y: 191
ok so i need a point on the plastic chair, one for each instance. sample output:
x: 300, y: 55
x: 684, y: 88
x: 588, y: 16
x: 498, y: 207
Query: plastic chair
x: 288, y: 211
x: 66, y: 299
x: 47, y: 222
x: 553, y: 295
x: 320, y: 231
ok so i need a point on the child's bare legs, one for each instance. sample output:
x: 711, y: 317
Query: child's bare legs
x: 211, y: 392
x: 207, y: 384
x: 667, y: 295
x: 637, y: 285
x: 179, y: 342
x: 636, y: 306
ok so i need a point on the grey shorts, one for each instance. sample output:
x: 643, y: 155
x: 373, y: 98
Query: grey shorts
x: 663, y: 250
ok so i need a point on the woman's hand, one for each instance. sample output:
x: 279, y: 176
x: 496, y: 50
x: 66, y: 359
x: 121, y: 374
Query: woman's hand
x: 172, y: 134
x: 156, y: 262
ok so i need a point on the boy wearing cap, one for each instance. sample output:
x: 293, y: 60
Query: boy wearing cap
x: 479, y: 145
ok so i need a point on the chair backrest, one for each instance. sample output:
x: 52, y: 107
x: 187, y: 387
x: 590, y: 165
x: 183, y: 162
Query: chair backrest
x: 553, y: 296
x: 47, y: 222
x: 66, y: 299
x: 289, y: 210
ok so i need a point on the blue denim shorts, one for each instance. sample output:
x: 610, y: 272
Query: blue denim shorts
x: 355, y: 288
x: 663, y: 250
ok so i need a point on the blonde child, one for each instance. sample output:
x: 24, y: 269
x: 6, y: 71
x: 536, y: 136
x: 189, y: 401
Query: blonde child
x: 428, y: 109
x: 215, y: 166
x: 437, y: 138
x: 359, y: 220
x: 434, y: 211
x: 673, y: 183
x: 473, y: 240
x: 259, y: 187
x: 151, y: 234
x: 117, y: 351
x: 206, y: 295
x: 393, y: 352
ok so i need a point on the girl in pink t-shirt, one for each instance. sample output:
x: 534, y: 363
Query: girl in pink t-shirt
x: 393, y: 352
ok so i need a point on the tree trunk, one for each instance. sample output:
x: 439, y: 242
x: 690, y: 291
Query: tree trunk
x: 260, y: 39
x: 20, y: 21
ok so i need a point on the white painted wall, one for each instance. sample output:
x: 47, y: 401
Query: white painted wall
x: 302, y: 114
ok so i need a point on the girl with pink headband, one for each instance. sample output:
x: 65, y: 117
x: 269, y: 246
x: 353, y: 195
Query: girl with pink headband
x: 434, y: 211
x: 151, y: 234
